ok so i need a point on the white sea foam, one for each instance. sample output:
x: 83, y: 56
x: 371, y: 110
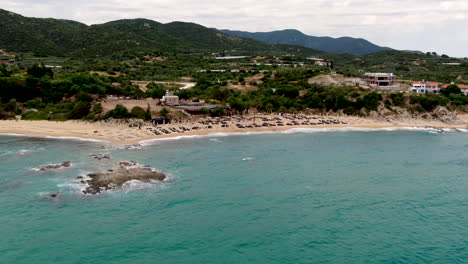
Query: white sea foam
x: 130, y: 147
x: 136, y: 185
x: 21, y: 152
x: 73, y: 186
x: 247, y: 159
x: 53, y: 137
x: 24, y: 152
x: 307, y: 130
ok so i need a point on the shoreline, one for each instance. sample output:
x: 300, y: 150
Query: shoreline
x: 121, y: 134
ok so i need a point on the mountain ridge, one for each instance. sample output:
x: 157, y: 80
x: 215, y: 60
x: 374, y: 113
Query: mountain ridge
x: 60, y: 37
x: 341, y: 45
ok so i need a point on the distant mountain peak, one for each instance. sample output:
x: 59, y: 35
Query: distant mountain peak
x: 350, y: 45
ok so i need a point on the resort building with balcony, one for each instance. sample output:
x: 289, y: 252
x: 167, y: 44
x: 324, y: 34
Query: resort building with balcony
x: 426, y: 87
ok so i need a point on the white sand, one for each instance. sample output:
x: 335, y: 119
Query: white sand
x: 123, y: 134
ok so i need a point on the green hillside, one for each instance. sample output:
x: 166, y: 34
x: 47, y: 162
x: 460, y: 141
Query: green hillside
x: 135, y: 36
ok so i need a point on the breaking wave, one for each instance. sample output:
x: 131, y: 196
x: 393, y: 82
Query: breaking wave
x: 307, y: 130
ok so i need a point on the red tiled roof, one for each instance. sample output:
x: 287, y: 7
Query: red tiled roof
x: 461, y: 86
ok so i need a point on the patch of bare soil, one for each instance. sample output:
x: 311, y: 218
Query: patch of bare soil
x: 6, y: 54
x: 108, y: 105
x: 106, y: 74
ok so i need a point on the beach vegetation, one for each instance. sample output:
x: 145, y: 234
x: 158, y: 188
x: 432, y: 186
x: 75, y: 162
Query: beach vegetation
x: 97, y: 108
x: 164, y: 112
x: 80, y: 110
x: 140, y: 113
x: 205, y: 111
x: 217, y: 111
x: 118, y: 112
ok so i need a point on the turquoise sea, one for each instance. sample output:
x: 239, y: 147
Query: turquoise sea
x: 321, y: 197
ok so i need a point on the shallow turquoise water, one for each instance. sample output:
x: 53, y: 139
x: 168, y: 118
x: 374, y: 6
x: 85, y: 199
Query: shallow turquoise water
x: 335, y: 197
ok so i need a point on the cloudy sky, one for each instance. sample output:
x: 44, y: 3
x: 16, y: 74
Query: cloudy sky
x: 426, y: 25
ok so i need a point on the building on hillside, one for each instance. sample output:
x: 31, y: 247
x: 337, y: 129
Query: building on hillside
x: 170, y: 99
x: 426, y: 87
x: 315, y: 58
x: 379, y: 79
x: 321, y: 63
x: 463, y: 87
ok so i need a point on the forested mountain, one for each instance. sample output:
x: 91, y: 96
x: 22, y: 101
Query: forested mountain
x: 69, y: 38
x: 356, y: 46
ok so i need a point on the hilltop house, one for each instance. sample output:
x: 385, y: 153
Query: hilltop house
x: 426, y: 87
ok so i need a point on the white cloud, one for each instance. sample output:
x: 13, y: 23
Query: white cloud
x: 427, y: 25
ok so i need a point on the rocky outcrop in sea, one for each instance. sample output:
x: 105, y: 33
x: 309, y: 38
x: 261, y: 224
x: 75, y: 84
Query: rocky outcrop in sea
x: 55, y: 166
x: 114, y: 179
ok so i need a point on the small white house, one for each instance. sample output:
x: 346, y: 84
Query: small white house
x: 426, y: 87
x: 170, y: 99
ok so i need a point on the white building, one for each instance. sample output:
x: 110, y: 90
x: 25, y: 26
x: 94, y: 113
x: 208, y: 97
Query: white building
x: 426, y: 87
x: 170, y: 99
x: 321, y: 63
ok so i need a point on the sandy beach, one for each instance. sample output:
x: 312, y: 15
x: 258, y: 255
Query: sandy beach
x: 125, y: 133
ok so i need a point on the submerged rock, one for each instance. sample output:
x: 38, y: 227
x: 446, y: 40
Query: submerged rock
x: 132, y: 147
x: 65, y: 164
x: 99, y: 156
x: 128, y: 164
x: 115, y: 179
x: 54, y: 195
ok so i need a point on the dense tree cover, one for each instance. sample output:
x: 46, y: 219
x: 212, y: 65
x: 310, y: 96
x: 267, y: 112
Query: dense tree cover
x: 37, y: 71
x: 287, y: 90
x: 124, y: 37
x: 69, y: 96
x: 74, y: 91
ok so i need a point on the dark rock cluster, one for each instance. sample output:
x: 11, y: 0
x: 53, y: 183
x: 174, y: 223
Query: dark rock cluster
x: 112, y: 179
x: 65, y: 164
x: 100, y: 156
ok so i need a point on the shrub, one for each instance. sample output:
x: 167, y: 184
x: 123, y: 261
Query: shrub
x: 118, y: 112
x: 84, y: 97
x: 217, y: 111
x: 80, y: 110
x: 140, y: 113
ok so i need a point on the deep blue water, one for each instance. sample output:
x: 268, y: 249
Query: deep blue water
x: 334, y: 197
